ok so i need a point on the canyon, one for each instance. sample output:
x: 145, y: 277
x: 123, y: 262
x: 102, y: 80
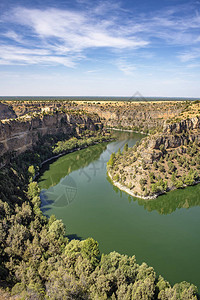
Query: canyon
x: 22, y: 123
x: 31, y: 242
x: 21, y: 134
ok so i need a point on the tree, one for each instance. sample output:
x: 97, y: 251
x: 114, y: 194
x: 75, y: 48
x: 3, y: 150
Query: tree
x: 155, y: 165
x: 33, y: 190
x: 57, y: 229
x: 126, y: 147
x: 171, y: 167
x: 151, y: 177
x: 173, y: 178
x: 179, y: 184
x: 118, y: 152
x: 189, y: 179
x: 144, y: 166
x: 116, y: 178
x: 162, y: 168
x: 162, y: 148
x: 90, y: 250
x: 143, y: 181
x: 31, y: 171
x: 154, y: 188
x: 111, y: 160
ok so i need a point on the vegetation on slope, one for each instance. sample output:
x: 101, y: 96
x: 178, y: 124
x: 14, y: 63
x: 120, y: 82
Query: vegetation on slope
x: 39, y: 262
x: 140, y: 115
x: 158, y: 163
x: 191, y: 110
x: 82, y: 142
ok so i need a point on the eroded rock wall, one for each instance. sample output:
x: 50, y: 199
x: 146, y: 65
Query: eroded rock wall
x: 6, y: 112
x: 177, y: 134
x: 20, y: 135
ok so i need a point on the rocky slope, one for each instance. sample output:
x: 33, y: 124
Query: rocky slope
x: 39, y: 118
x: 6, y: 112
x: 124, y: 114
x: 21, y: 134
x: 138, y: 116
x: 161, y: 162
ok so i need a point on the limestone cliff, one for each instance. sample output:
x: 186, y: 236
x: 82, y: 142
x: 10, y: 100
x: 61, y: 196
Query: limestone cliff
x: 38, y: 118
x: 161, y: 162
x: 6, y: 112
x: 21, y: 134
x: 177, y: 134
x: 141, y: 116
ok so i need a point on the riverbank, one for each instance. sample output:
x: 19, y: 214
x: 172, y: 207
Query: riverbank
x: 78, y: 148
x: 128, y: 130
x: 131, y: 193
x: 128, y: 191
x: 159, y: 163
x: 31, y: 242
x: 127, y: 224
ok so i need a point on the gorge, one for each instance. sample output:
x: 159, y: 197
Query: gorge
x: 43, y: 261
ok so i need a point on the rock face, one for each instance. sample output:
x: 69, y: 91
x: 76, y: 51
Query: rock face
x: 20, y: 135
x: 177, y: 134
x: 182, y: 126
x: 172, y: 138
x: 6, y: 112
x: 160, y: 162
x: 140, y: 115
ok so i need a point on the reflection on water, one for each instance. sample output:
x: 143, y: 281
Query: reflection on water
x: 63, y: 194
x: 69, y: 163
x: 57, y: 173
x: 169, y: 202
x: 163, y: 232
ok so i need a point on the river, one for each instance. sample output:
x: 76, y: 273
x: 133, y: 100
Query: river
x: 164, y: 233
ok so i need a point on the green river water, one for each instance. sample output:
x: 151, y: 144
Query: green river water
x: 164, y: 233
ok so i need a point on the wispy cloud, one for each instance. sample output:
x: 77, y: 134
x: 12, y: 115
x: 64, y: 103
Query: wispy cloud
x: 94, y: 71
x: 21, y: 56
x: 64, y: 33
x: 190, y: 55
x: 53, y: 36
x: 126, y: 67
x: 12, y: 35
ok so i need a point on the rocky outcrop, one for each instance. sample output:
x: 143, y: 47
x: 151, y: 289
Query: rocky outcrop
x: 177, y: 134
x: 6, y: 112
x: 141, y: 116
x: 135, y: 115
x: 20, y: 135
x: 160, y: 162
x: 182, y: 126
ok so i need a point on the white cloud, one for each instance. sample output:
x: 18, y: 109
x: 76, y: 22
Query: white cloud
x: 21, y: 56
x: 94, y: 71
x: 64, y: 35
x: 191, y: 55
x: 77, y: 30
x: 178, y: 25
x: 125, y: 67
x: 13, y: 36
x: 55, y: 36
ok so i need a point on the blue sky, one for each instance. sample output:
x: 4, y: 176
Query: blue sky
x: 100, y: 48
